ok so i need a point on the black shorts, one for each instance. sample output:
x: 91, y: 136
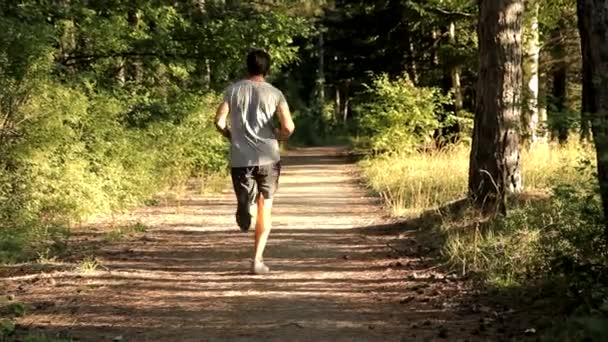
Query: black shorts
x: 251, y: 181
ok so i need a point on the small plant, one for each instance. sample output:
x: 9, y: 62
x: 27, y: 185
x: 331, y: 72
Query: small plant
x: 139, y: 227
x: 121, y: 232
x: 114, y: 235
x: 7, y: 328
x: 213, y: 183
x: 44, y: 257
x: 88, y: 265
x: 16, y: 309
x: 45, y: 338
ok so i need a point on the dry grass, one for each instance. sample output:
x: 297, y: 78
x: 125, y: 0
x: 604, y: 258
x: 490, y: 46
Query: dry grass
x: 413, y: 183
x: 503, y: 250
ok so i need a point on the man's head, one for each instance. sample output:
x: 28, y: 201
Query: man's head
x: 258, y: 63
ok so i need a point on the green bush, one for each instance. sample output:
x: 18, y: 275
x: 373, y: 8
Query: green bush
x: 73, y: 155
x: 395, y: 115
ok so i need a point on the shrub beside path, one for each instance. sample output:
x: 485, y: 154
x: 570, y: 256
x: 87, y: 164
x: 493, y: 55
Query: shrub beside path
x: 338, y: 273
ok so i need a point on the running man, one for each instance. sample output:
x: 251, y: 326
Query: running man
x: 254, y: 155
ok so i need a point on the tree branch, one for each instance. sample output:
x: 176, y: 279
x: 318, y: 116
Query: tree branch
x: 453, y: 13
x: 75, y: 59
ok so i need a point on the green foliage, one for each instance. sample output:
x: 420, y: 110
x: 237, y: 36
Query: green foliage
x: 88, y: 265
x: 558, y: 240
x: 553, y: 233
x: 39, y: 337
x: 118, y: 233
x: 75, y: 158
x: 395, y: 115
x: 7, y: 328
x: 102, y: 106
x: 320, y: 129
x: 16, y: 309
x: 585, y: 328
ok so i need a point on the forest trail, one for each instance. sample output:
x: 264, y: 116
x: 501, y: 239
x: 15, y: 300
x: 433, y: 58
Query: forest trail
x: 336, y: 275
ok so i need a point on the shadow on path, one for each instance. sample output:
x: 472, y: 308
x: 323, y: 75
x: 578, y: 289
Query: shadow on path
x: 335, y: 274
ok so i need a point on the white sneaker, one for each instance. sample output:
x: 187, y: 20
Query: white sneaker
x: 258, y: 267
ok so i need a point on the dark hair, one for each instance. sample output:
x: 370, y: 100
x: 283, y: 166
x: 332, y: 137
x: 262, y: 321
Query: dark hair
x: 258, y: 62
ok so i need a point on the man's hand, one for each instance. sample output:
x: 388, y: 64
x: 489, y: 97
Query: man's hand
x: 287, y: 125
x: 221, y: 116
x: 279, y: 135
x: 226, y: 133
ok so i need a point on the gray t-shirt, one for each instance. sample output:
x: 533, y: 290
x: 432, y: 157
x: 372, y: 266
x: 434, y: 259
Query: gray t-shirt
x: 252, y: 107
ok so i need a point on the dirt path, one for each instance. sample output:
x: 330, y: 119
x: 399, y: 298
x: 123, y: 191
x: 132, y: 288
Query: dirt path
x: 334, y: 277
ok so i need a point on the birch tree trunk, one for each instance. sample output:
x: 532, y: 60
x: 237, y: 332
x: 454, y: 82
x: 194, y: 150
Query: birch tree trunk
x: 531, y: 117
x: 412, y: 70
x: 495, y: 158
x: 134, y: 66
x: 203, y: 64
x: 321, y: 71
x: 455, y: 74
x: 67, y: 44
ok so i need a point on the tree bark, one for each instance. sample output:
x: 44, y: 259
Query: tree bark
x: 594, y: 15
x: 134, y: 67
x: 321, y: 71
x: 412, y: 70
x: 337, y: 103
x: 345, y: 101
x: 495, y: 158
x: 67, y: 43
x: 455, y: 74
x: 342, y: 101
x: 531, y: 115
x: 588, y: 95
x: 559, y: 93
x: 203, y: 66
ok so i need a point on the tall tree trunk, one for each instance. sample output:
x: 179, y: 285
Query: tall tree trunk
x: 495, y: 157
x: 455, y: 74
x: 134, y: 67
x: 561, y: 124
x: 203, y: 64
x: 67, y: 43
x: 412, y: 70
x: 531, y: 115
x: 588, y: 95
x: 342, y: 101
x: 345, y: 101
x: 594, y: 29
x: 321, y: 71
x: 337, y: 103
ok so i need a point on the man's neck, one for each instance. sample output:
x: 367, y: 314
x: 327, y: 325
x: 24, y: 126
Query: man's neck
x: 256, y: 78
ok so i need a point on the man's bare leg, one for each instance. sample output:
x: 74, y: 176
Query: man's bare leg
x: 262, y: 230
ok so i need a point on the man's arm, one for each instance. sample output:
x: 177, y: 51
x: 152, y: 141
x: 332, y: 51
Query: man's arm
x: 221, y: 122
x: 287, y: 125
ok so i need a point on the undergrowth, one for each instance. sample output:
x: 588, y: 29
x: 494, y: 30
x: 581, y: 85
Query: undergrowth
x: 551, y: 237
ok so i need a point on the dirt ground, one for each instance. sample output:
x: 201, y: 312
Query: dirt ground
x: 338, y: 274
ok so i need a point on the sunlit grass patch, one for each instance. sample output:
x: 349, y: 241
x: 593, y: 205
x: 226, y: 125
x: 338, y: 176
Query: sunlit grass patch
x: 213, y: 183
x: 545, y: 166
x: 555, y: 217
x: 88, y: 265
x: 34, y: 242
x: 501, y: 251
x: 122, y: 232
x: 411, y: 183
